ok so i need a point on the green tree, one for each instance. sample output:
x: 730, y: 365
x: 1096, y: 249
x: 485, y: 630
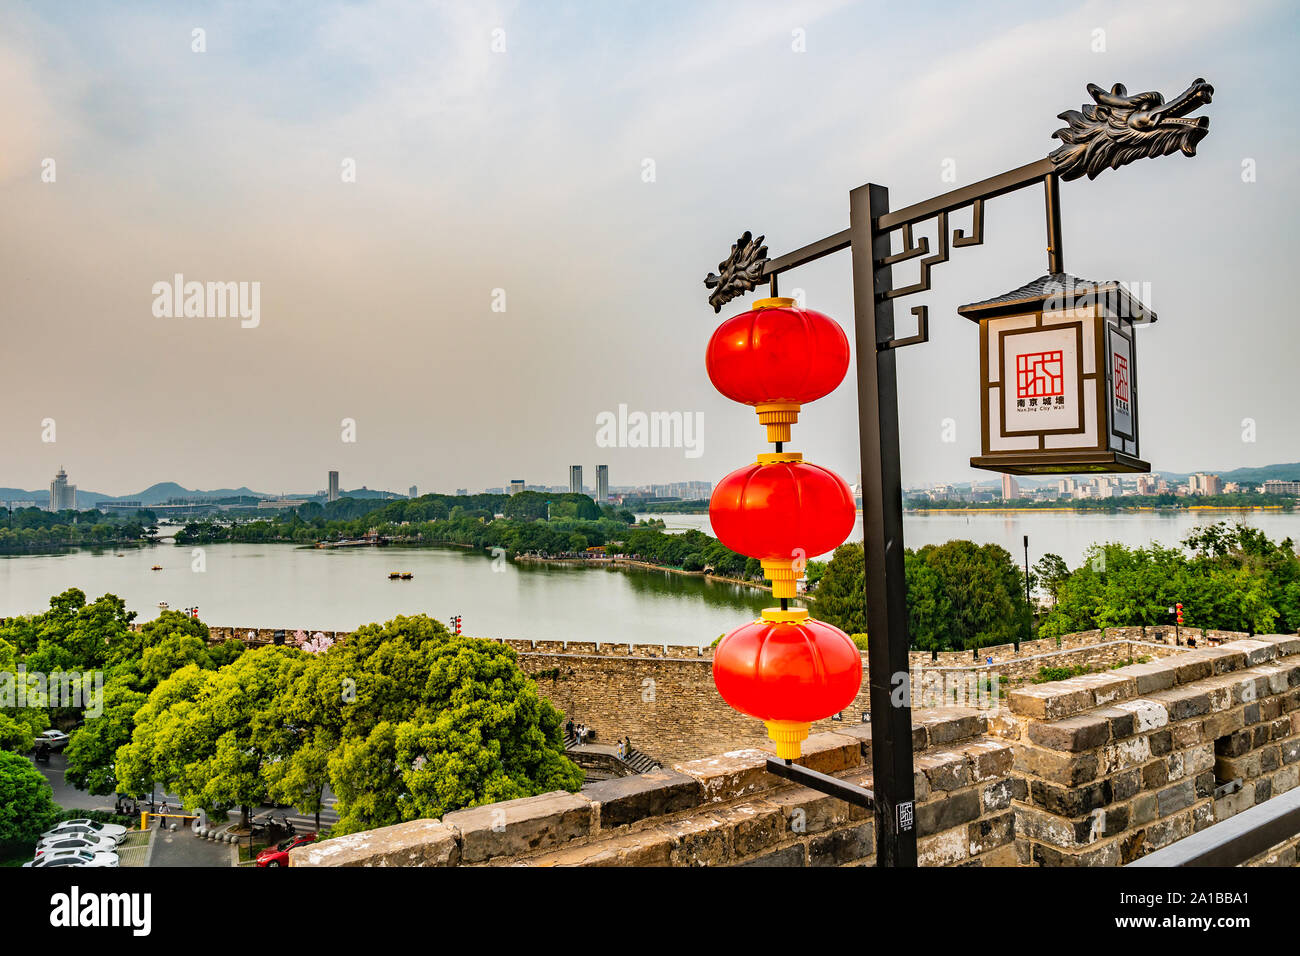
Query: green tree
x: 839, y: 597
x: 1052, y: 572
x: 26, y: 800
x: 419, y: 722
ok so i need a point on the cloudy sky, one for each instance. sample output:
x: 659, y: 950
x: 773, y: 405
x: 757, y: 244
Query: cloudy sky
x: 584, y: 165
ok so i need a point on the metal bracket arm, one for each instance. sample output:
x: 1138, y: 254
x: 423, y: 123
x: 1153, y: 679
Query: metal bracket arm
x: 822, y: 783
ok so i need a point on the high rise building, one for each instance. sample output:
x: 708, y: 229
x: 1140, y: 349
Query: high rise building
x: 602, y: 484
x: 462, y: 492
x: 516, y: 485
x: 575, y: 479
x: 414, y: 492
x: 63, y: 496
x: 1010, y: 488
x: 333, y: 493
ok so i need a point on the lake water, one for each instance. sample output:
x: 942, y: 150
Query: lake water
x: 258, y: 585
x: 1065, y: 533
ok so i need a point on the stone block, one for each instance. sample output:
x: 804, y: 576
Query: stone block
x: 795, y: 855
x: 1123, y: 723
x: 944, y: 770
x: 1068, y: 770
x: 1152, y: 676
x: 1070, y: 802
x: 414, y: 843
x: 1084, y: 732
x: 730, y: 775
x: 624, y: 800
x: 943, y: 849
x: 1147, y: 714
x: 947, y: 812
x: 806, y: 811
x: 649, y: 847
x: 946, y: 725
x: 842, y: 846
x: 1051, y: 701
x: 1184, y: 702
x: 1178, y: 797
x: 522, y: 826
x: 991, y: 833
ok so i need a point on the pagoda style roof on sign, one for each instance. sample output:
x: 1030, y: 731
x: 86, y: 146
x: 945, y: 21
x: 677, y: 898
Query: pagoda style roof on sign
x: 1060, y: 290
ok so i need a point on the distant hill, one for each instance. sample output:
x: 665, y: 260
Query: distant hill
x: 156, y: 494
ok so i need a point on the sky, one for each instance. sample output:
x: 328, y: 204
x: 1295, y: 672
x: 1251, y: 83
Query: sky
x: 477, y: 227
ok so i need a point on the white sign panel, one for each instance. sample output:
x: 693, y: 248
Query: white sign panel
x: 1040, y: 380
x: 1120, y: 382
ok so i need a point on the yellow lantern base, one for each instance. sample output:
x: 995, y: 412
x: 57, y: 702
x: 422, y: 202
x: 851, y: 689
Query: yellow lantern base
x: 788, y: 735
x: 778, y: 417
x: 782, y: 574
x: 788, y: 615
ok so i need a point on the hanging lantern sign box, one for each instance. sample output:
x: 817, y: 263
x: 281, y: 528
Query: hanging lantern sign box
x: 1058, y: 378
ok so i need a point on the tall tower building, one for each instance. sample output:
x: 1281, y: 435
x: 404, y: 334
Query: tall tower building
x: 63, y: 496
x: 575, y: 479
x: 602, y: 484
x: 1010, y: 488
x: 333, y: 493
x: 414, y: 492
x: 516, y: 485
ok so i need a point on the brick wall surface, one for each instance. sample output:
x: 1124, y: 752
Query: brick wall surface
x: 1118, y: 764
x: 663, y: 697
x: 725, y: 809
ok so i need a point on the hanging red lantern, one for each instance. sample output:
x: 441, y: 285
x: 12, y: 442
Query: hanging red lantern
x: 782, y: 510
x: 777, y: 357
x: 788, y: 670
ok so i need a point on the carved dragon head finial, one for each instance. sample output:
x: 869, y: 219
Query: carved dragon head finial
x: 739, y: 273
x: 1121, y: 128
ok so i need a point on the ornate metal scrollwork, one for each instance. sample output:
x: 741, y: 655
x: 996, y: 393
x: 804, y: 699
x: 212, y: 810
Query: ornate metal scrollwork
x: 739, y: 273
x: 1121, y: 128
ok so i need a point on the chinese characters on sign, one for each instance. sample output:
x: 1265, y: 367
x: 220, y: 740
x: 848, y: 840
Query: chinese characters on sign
x: 1040, y: 367
x: 1121, y: 386
x: 1040, y: 378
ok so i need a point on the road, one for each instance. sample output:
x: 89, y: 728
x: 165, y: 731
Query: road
x: 66, y: 795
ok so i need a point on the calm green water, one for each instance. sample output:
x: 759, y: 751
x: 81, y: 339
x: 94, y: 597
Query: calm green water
x: 254, y: 585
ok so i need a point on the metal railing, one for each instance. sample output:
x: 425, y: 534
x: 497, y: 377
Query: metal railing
x: 1236, y: 840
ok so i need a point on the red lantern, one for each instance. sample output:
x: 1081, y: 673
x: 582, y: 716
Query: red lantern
x: 782, y: 510
x: 787, y: 670
x: 777, y: 357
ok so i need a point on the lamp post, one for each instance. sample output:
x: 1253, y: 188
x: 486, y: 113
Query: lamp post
x: 1114, y: 130
x: 1027, y: 602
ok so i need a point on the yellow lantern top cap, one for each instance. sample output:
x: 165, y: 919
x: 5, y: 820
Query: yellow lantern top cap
x: 776, y: 302
x: 793, y: 615
x: 777, y: 457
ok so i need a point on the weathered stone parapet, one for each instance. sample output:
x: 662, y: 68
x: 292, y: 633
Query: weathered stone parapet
x: 726, y: 810
x: 1116, y: 765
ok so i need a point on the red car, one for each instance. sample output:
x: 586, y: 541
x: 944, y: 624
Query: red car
x: 278, y: 855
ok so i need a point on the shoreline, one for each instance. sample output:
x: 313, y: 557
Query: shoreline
x: 644, y: 566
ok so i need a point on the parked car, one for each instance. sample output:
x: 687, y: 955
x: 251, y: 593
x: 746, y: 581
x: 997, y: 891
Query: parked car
x: 83, y: 827
x: 50, y: 739
x: 76, y: 841
x: 75, y: 858
x: 278, y: 855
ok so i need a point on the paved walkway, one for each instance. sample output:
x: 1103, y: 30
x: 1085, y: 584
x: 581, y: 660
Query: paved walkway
x: 183, y: 848
x: 134, y: 850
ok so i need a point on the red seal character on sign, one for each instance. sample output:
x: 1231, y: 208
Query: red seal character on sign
x: 1040, y: 375
x: 1120, y: 377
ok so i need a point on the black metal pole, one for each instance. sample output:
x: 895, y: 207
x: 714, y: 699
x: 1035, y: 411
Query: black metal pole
x: 1031, y: 610
x: 882, y: 520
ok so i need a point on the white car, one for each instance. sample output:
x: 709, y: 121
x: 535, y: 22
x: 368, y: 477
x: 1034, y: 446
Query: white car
x: 75, y: 858
x: 83, y: 827
x: 95, y: 844
x: 52, y: 739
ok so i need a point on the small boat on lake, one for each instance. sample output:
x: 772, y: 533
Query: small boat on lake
x: 156, y: 567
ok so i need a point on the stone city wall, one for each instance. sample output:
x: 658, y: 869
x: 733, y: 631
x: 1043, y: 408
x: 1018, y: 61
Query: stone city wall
x: 1121, y: 763
x: 724, y: 810
x: 1097, y: 770
x: 663, y: 696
